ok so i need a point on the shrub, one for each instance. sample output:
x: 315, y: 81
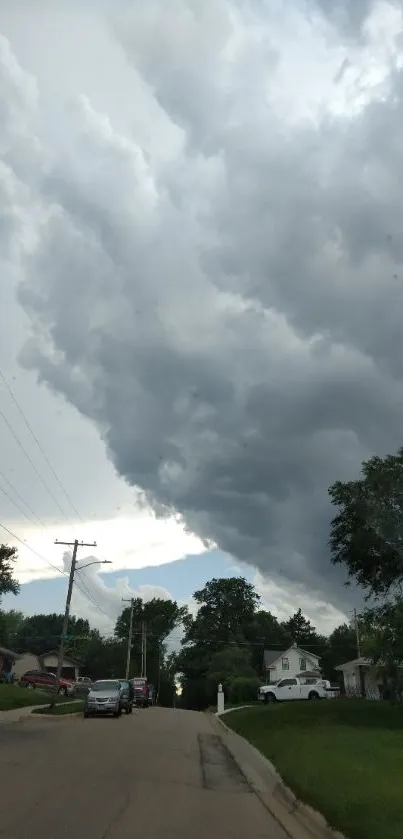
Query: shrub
x: 244, y: 688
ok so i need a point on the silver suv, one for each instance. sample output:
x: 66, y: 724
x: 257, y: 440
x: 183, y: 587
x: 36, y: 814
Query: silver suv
x: 105, y: 697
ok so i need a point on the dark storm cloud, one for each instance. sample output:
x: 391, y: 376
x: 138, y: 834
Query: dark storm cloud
x: 227, y: 310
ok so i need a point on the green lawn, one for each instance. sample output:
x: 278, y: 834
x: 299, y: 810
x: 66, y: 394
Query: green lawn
x: 73, y: 707
x: 12, y: 696
x: 343, y: 757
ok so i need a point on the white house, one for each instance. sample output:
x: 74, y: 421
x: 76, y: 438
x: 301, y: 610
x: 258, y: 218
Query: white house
x: 292, y: 662
x: 361, y: 678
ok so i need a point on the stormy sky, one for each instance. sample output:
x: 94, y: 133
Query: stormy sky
x: 200, y: 220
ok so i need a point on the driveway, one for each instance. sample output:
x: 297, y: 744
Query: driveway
x: 161, y: 774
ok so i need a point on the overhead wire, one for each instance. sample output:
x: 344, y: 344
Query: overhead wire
x: 55, y: 567
x: 17, y: 505
x: 81, y: 586
x: 35, y: 469
x: 21, y: 499
x: 42, y: 451
x: 38, y: 443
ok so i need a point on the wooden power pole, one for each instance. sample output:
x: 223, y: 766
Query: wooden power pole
x: 75, y: 545
x: 130, y: 636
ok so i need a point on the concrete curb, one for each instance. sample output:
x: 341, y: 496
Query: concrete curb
x: 228, y: 710
x: 25, y: 713
x: 15, y: 715
x: 57, y: 717
x: 297, y: 819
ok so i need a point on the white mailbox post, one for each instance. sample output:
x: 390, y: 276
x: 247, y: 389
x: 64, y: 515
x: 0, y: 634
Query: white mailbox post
x: 220, y: 700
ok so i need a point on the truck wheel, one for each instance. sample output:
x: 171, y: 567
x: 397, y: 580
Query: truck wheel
x: 313, y: 695
x: 269, y: 697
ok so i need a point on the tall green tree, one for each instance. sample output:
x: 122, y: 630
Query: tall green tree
x: 367, y: 532
x: 11, y: 620
x: 341, y: 647
x: 299, y: 629
x: 40, y: 633
x: 102, y: 658
x: 382, y: 642
x: 161, y: 617
x: 227, y: 608
x: 8, y: 585
x: 226, y: 665
x: 265, y: 632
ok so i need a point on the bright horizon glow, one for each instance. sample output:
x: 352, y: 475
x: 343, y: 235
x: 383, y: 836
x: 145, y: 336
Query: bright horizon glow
x: 152, y: 542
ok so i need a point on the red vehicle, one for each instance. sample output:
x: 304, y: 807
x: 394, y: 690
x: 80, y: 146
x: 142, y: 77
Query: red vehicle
x: 140, y: 687
x: 46, y: 681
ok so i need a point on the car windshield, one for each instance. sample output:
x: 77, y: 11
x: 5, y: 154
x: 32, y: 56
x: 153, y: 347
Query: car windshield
x: 105, y: 686
x: 125, y: 683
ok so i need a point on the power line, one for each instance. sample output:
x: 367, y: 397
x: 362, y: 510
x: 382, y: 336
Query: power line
x: 55, y: 567
x: 16, y: 504
x: 25, y: 503
x: 39, y: 445
x: 29, y: 458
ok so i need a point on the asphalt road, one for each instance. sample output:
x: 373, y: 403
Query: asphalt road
x: 158, y: 774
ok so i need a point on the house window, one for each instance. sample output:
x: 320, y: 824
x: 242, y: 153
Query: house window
x: 285, y: 663
x: 302, y: 663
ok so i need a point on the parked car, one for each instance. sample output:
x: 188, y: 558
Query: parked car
x: 127, y: 696
x: 140, y: 687
x: 104, y: 697
x: 46, y: 681
x: 82, y: 685
x: 294, y: 688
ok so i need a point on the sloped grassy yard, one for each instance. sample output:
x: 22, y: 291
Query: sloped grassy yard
x: 343, y: 757
x: 12, y: 696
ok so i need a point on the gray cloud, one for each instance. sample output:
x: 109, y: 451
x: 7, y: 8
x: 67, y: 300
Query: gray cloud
x: 224, y: 304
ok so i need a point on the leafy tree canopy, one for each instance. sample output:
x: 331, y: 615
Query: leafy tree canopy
x: 8, y: 583
x: 160, y: 616
x: 367, y: 533
x: 40, y: 633
x: 382, y: 634
x: 10, y: 621
x: 227, y: 607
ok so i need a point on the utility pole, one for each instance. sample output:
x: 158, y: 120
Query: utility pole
x: 142, y: 649
x: 159, y: 672
x: 362, y: 686
x: 145, y: 650
x: 75, y: 545
x: 357, y: 634
x: 129, y: 640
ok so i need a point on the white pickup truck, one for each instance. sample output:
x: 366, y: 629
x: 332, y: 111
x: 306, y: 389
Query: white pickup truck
x: 295, y: 688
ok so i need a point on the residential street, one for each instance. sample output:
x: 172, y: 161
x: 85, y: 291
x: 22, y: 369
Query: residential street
x: 158, y: 773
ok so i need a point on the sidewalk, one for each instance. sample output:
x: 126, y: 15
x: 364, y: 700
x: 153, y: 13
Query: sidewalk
x: 17, y: 714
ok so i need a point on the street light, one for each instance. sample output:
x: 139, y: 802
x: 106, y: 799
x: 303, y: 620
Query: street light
x: 95, y: 562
